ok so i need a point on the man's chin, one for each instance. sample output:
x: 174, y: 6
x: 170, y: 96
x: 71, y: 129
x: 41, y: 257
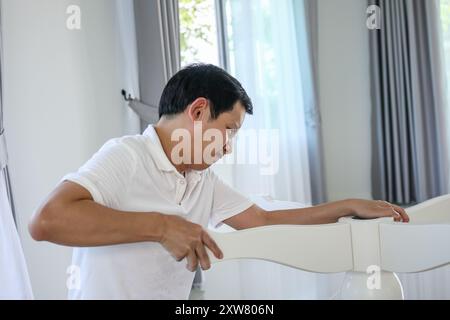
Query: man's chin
x: 200, y: 167
x: 203, y: 166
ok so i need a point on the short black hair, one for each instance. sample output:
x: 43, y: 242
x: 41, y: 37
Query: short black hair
x: 206, y: 81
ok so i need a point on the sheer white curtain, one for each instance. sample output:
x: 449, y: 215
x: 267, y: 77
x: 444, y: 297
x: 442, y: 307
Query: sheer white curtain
x: 265, y: 46
x: 14, y: 279
x: 264, y: 56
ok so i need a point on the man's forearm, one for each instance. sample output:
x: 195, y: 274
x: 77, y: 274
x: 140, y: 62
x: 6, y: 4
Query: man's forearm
x: 87, y: 223
x: 320, y: 214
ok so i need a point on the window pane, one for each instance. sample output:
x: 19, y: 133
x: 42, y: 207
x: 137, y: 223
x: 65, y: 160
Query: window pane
x: 198, y: 32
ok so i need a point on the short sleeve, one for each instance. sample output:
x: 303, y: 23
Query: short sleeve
x: 227, y: 202
x: 107, y: 174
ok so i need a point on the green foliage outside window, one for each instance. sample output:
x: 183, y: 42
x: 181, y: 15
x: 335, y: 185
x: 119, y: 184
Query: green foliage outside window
x: 445, y: 14
x: 195, y: 31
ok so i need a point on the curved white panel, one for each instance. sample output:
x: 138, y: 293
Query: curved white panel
x: 434, y: 211
x: 422, y: 244
x: 351, y: 244
x: 317, y: 248
x: 414, y: 248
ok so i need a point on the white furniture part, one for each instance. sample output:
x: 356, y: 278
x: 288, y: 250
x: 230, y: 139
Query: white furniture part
x: 369, y: 251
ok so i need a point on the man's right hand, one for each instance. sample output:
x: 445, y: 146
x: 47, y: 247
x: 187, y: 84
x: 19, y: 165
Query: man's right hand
x: 182, y: 238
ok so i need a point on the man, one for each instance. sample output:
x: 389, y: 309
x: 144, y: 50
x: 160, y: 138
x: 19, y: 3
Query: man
x: 141, y: 204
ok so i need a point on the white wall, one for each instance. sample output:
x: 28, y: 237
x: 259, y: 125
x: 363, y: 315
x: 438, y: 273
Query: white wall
x: 344, y: 86
x: 62, y: 102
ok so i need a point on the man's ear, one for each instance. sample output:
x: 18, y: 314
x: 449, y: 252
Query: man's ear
x: 198, y: 109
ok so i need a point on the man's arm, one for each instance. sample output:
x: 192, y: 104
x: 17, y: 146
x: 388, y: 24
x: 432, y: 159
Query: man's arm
x: 321, y: 214
x: 70, y: 217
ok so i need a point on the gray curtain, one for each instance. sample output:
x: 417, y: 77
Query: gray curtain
x: 157, y: 35
x: 312, y: 105
x: 222, y: 33
x: 3, y: 150
x: 409, y: 161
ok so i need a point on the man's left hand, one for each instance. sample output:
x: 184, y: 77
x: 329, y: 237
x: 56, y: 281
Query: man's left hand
x: 371, y: 209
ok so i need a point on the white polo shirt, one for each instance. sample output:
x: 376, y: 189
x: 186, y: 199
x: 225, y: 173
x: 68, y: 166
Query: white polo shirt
x: 132, y: 173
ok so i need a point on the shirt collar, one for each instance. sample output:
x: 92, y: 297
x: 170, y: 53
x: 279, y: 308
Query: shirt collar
x: 162, y: 161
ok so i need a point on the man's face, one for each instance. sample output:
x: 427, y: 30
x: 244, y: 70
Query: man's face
x: 216, y: 136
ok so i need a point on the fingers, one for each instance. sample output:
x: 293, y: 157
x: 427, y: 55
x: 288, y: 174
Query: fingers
x: 203, y: 257
x: 396, y: 215
x: 192, y: 261
x: 198, y: 254
x: 404, y: 216
x: 396, y: 211
x: 389, y: 212
x: 212, y: 245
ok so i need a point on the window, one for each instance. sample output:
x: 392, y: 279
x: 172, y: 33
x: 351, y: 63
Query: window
x: 198, y: 32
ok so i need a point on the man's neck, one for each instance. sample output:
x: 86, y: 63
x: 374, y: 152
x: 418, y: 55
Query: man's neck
x: 164, y: 131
